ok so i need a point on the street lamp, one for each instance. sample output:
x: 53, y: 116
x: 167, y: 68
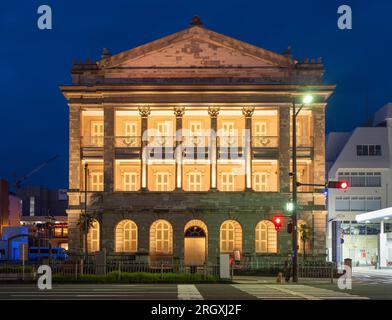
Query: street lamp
x: 306, y: 100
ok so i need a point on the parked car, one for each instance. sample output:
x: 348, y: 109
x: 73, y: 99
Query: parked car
x: 55, y: 253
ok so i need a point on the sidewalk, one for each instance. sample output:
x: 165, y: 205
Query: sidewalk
x: 272, y: 280
x: 371, y: 270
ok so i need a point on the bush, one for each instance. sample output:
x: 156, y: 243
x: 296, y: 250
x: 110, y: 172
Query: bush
x: 136, y: 277
x: 15, y: 269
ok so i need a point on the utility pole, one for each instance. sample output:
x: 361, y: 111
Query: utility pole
x: 294, y: 193
x: 307, y: 99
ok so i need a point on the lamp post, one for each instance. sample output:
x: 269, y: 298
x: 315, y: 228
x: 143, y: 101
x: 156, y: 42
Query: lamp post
x: 307, y: 99
x: 85, y: 212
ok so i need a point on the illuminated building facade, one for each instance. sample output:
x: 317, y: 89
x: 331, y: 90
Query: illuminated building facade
x: 187, y: 146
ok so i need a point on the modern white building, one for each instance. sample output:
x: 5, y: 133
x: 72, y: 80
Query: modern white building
x: 363, y: 157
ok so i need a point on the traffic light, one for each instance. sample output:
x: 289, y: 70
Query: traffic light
x: 343, y: 185
x: 277, y: 222
x: 290, y: 227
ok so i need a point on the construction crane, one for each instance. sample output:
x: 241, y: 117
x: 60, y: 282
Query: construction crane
x: 18, y: 181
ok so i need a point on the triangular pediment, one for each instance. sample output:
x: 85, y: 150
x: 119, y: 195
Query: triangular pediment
x: 196, y: 47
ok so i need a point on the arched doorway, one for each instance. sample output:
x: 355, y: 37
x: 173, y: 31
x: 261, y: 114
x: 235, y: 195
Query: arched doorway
x: 195, y: 243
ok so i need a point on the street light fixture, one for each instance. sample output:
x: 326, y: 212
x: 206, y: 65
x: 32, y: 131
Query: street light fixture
x: 289, y: 206
x: 306, y: 100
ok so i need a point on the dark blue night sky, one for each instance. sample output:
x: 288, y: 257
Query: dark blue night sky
x: 33, y: 63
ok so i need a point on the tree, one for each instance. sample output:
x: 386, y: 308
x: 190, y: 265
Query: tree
x: 305, y: 235
x: 85, y: 223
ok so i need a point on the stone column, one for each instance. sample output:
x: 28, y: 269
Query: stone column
x: 73, y: 211
x: 318, y: 116
x: 248, y: 112
x: 213, y: 112
x: 284, y: 148
x: 178, y: 112
x: 144, y: 113
x: 108, y: 148
x: 74, y: 147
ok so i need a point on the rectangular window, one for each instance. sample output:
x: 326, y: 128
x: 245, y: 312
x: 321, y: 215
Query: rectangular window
x: 261, y: 128
x: 373, y: 179
x: 342, y: 204
x: 373, y: 203
x: 130, y: 129
x: 368, y: 150
x: 162, y: 181
x: 228, y: 138
x: 130, y: 181
x: 194, y: 181
x: 164, y: 137
x: 97, y: 133
x: 228, y: 181
x: 357, y: 204
x: 361, y: 179
x: 195, y: 128
x: 261, y: 181
x: 357, y: 179
x: 96, y: 181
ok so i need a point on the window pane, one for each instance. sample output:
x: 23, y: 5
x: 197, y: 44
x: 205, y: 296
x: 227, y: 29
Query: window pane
x: 342, y: 204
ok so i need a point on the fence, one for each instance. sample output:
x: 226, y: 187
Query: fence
x: 73, y: 269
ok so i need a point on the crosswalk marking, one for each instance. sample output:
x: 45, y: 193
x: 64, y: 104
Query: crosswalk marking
x: 293, y: 292
x: 188, y: 292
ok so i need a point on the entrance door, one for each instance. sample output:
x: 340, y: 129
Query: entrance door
x: 195, y: 246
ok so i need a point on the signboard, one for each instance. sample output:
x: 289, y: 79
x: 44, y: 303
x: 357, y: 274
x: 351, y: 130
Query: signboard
x: 224, y: 264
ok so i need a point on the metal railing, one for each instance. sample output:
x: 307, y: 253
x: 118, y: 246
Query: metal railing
x: 265, y: 141
x: 161, y: 141
x: 127, y: 141
x: 92, y: 141
x: 230, y: 141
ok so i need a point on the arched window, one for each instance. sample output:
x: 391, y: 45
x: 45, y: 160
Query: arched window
x: 265, y: 237
x: 126, y: 236
x: 93, y: 237
x: 230, y: 236
x: 161, y: 237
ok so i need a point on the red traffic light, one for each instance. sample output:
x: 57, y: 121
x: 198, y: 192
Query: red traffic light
x: 277, y: 222
x: 343, y: 185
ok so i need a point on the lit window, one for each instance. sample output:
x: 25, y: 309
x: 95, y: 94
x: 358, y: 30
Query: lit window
x: 130, y: 181
x: 162, y: 181
x: 266, y: 237
x: 96, y: 181
x: 162, y: 236
x: 261, y: 181
x: 194, y: 181
x: 227, y: 237
x: 163, y: 137
x: 230, y: 236
x: 58, y: 232
x: 261, y: 128
x: 228, y: 181
x: 126, y: 236
x: 228, y: 137
x: 97, y: 133
x: 93, y: 237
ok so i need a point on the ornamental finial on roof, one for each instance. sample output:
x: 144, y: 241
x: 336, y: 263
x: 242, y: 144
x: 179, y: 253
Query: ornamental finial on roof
x: 196, y: 21
x: 105, y: 53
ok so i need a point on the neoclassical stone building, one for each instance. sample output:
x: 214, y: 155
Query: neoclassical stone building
x: 187, y: 146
